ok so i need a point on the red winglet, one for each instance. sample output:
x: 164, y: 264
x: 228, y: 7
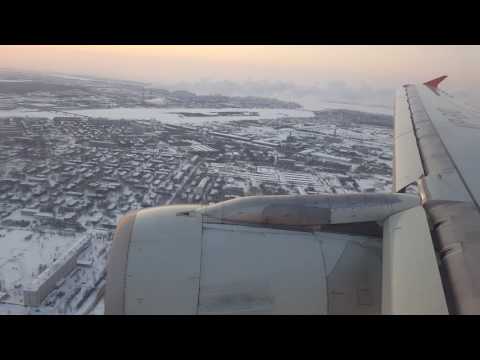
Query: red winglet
x: 434, y: 83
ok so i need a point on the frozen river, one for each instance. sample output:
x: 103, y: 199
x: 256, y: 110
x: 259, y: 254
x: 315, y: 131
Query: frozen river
x: 374, y: 109
x: 166, y: 115
x: 173, y: 116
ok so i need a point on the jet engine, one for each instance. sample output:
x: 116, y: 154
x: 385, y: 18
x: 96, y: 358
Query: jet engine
x: 319, y: 254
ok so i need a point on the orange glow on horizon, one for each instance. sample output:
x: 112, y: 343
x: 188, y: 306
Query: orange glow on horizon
x: 385, y: 66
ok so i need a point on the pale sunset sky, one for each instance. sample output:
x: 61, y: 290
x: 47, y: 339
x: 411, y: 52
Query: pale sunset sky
x: 305, y: 74
x: 383, y: 66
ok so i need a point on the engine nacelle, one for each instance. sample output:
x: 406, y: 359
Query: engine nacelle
x: 253, y: 255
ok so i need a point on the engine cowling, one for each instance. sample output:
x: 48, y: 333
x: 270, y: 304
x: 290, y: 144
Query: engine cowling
x: 252, y: 255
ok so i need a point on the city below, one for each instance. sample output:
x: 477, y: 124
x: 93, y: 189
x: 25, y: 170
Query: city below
x: 72, y: 162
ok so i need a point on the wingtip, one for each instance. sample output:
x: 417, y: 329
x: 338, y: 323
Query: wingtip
x: 435, y: 82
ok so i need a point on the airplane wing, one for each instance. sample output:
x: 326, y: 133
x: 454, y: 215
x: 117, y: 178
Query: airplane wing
x: 394, y: 253
x: 437, y: 146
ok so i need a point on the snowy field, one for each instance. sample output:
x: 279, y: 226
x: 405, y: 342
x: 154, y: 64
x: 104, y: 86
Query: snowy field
x: 23, y: 251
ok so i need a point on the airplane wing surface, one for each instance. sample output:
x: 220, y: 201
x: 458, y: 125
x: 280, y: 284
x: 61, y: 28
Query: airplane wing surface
x: 437, y: 147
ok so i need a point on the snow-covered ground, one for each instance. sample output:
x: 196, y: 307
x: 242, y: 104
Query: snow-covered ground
x: 23, y: 251
x: 29, y: 113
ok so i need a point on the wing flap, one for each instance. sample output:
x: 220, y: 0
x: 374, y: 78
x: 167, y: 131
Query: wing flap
x: 411, y: 281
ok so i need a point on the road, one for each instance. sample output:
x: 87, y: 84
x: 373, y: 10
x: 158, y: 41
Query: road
x: 186, y: 181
